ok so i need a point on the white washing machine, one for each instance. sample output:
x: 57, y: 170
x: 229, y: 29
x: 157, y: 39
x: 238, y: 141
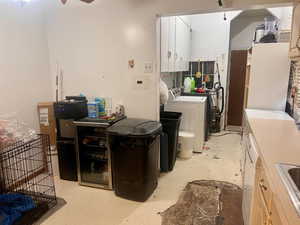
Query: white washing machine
x: 193, y: 111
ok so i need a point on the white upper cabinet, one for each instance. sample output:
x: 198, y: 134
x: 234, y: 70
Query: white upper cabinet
x: 187, y: 46
x: 172, y: 44
x: 168, y: 29
x: 175, y: 44
x: 164, y: 44
x: 295, y: 39
x: 180, y: 44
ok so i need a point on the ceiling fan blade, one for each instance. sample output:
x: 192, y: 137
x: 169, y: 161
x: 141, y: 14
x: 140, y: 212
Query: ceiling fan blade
x: 64, y: 1
x: 87, y: 1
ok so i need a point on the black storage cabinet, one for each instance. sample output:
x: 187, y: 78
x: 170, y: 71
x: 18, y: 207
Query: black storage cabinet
x: 67, y: 159
x: 134, y: 146
x: 170, y: 122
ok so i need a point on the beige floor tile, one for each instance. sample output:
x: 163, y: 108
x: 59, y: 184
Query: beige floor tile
x: 90, y: 206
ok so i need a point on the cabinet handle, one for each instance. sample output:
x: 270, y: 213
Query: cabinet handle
x: 175, y: 56
x: 263, y: 187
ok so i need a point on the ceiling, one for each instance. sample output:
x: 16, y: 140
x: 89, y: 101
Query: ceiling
x: 255, y: 13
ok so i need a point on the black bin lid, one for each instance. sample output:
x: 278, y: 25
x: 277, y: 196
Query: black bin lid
x: 135, y: 128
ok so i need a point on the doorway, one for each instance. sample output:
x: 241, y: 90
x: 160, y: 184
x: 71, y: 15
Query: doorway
x: 237, y: 79
x: 242, y: 34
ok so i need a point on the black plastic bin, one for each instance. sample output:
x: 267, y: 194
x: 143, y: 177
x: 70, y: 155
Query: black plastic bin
x: 164, y: 155
x: 134, y: 146
x: 170, y: 122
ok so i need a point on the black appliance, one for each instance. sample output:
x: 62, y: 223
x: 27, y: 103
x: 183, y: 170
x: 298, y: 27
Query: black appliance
x: 65, y: 113
x: 93, y: 156
x: 134, y: 146
x: 74, y: 107
x: 217, y: 109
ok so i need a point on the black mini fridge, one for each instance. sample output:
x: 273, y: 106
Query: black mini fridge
x: 134, y: 146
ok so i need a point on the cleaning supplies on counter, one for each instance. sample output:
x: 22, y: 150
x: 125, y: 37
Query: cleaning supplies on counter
x: 108, y: 106
x: 96, y: 107
x: 93, y: 110
x: 187, y: 85
x: 193, y: 84
x: 101, y: 106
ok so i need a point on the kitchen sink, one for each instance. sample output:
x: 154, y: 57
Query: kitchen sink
x: 295, y: 175
x: 290, y: 176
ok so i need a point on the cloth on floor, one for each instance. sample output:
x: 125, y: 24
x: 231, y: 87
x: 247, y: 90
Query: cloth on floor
x: 12, y: 206
x: 206, y: 202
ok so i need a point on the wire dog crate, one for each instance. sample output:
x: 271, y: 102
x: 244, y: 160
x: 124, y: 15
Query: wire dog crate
x: 26, y: 168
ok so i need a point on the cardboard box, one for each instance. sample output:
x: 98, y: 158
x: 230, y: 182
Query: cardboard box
x: 47, y: 120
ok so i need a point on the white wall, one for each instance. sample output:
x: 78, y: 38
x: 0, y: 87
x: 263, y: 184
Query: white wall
x: 285, y: 15
x: 24, y: 77
x: 93, y: 46
x: 242, y: 31
x: 210, y: 36
x: 93, y: 42
x: 211, y: 39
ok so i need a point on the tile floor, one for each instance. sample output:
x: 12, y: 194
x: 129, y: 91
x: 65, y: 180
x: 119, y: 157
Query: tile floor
x: 90, y: 206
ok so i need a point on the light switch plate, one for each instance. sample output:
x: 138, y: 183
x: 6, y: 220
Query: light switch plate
x: 148, y: 67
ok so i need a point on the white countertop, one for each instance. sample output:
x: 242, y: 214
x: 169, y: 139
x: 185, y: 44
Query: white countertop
x: 267, y: 114
x: 278, y: 141
x: 190, y: 99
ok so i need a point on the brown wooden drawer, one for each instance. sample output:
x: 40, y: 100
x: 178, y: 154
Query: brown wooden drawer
x: 264, y: 187
x: 274, y: 215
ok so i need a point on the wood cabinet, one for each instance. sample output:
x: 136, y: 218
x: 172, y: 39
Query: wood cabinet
x: 175, y: 44
x: 295, y: 37
x: 264, y: 211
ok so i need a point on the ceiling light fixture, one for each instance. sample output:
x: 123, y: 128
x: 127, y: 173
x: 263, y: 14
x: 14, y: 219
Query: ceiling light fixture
x: 86, y: 1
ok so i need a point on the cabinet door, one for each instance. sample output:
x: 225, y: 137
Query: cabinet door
x: 260, y: 212
x: 172, y: 43
x: 180, y: 42
x: 183, y: 44
x: 260, y: 215
x: 186, y: 47
x: 275, y: 218
x: 164, y: 46
x: 295, y: 40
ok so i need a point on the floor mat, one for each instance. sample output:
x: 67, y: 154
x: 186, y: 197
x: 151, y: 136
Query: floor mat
x: 206, y: 202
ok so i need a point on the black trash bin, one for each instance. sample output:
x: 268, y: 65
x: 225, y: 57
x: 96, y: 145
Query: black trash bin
x: 170, y: 122
x: 134, y: 146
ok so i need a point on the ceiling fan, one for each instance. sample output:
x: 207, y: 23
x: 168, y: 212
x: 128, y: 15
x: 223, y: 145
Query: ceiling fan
x: 87, y: 1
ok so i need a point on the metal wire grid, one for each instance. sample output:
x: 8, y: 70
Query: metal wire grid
x: 26, y: 168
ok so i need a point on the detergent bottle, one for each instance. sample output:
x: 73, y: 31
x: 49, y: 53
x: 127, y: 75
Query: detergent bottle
x: 187, y: 85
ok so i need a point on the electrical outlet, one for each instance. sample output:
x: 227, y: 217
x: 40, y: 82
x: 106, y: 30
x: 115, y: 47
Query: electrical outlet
x: 148, y: 67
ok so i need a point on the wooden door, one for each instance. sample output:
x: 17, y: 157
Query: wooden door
x: 236, y: 87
